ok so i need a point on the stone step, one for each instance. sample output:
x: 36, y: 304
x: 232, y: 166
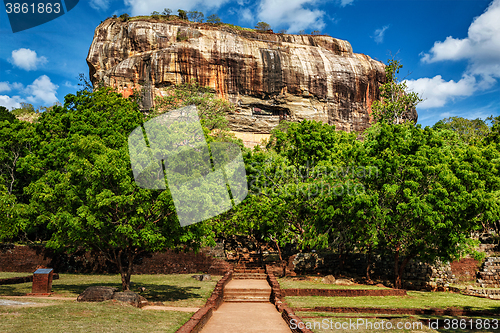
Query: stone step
x: 250, y: 270
x: 247, y: 292
x: 247, y: 299
x: 256, y: 276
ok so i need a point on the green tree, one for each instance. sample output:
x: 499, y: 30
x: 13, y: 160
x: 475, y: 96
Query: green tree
x: 124, y: 17
x: 396, y: 101
x: 214, y: 19
x: 429, y: 195
x: 85, y: 192
x: 470, y: 131
x: 8, y: 226
x: 262, y: 27
x: 166, y: 12
x: 195, y: 16
x: 182, y: 14
x: 212, y: 110
x: 155, y: 14
x: 315, y: 32
x: 6, y: 115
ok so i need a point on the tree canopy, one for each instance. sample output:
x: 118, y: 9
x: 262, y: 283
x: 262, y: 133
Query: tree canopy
x: 85, y: 192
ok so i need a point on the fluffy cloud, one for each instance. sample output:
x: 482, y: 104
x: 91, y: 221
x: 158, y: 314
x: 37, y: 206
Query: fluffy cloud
x: 344, y: 3
x: 141, y: 7
x: 436, y: 92
x: 292, y: 13
x: 42, y: 90
x: 99, y: 4
x: 378, y: 36
x: 10, y: 102
x: 26, y: 59
x: 5, y: 86
x: 481, y: 47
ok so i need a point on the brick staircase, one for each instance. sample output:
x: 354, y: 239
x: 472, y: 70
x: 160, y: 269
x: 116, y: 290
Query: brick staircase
x: 249, y: 273
x: 248, y: 285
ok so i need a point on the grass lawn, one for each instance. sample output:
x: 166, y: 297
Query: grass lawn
x: 70, y: 316
x: 173, y: 290
x: 6, y: 275
x: 55, y: 315
x: 323, y: 322
x: 415, y: 299
x: 316, y: 283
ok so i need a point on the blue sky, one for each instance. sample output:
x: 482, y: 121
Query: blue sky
x: 450, y: 49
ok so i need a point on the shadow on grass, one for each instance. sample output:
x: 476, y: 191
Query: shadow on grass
x: 153, y: 292
x: 15, y: 289
x: 167, y: 293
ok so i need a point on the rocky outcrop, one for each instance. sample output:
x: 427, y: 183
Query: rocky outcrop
x: 101, y: 294
x: 267, y: 76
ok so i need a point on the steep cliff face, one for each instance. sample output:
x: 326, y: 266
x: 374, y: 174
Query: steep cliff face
x: 267, y: 76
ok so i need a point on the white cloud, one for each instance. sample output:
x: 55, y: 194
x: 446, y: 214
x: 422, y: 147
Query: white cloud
x: 379, y: 34
x: 292, y: 13
x: 70, y: 85
x: 99, y: 4
x: 141, y: 7
x: 246, y: 15
x: 481, y: 47
x: 26, y: 59
x: 17, y: 86
x: 10, y: 102
x: 42, y: 90
x: 5, y: 86
x: 344, y: 3
x: 436, y: 91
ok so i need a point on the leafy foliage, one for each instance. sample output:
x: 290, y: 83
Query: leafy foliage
x: 470, y: 131
x: 85, y: 191
x: 396, y: 101
x: 212, y: 110
x: 182, y: 14
x: 262, y: 27
x: 124, y: 17
x: 214, y: 19
x: 195, y: 16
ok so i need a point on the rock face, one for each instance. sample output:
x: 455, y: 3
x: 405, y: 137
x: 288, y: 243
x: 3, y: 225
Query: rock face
x: 267, y: 76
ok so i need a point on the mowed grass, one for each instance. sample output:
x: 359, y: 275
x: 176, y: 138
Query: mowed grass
x: 7, y: 275
x: 355, y: 322
x: 316, y: 283
x: 56, y: 315
x: 323, y: 322
x: 173, y: 290
x: 414, y: 300
x: 72, y: 316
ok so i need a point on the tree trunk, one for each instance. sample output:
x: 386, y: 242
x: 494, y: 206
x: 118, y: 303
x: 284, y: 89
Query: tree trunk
x: 368, y: 265
x: 282, y: 263
x: 397, y: 277
x: 399, y: 269
x: 125, y: 263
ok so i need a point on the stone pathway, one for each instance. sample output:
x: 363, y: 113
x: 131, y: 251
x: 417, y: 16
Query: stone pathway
x: 246, y: 307
x: 246, y: 317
